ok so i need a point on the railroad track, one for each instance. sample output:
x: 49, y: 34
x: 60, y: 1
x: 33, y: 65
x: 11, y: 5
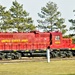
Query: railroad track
x: 34, y: 59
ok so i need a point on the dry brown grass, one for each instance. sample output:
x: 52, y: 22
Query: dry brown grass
x: 62, y: 67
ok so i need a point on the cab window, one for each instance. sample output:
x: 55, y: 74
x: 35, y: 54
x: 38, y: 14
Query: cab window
x: 57, y: 37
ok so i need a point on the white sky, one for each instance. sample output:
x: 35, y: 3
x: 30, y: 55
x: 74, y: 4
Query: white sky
x: 33, y: 7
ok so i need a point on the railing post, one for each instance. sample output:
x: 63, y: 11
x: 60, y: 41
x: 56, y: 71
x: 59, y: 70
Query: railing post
x: 48, y: 54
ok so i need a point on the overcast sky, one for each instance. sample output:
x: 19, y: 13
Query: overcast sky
x: 33, y: 7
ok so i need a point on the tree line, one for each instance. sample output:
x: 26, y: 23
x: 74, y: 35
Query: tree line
x: 16, y: 18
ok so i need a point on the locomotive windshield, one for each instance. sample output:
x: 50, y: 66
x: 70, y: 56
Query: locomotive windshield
x: 57, y: 37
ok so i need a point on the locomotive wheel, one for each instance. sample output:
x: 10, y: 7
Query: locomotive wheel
x: 2, y: 56
x: 62, y: 54
x: 18, y: 55
x: 57, y: 54
x: 12, y: 55
x: 69, y: 54
x: 54, y: 54
x: 8, y: 56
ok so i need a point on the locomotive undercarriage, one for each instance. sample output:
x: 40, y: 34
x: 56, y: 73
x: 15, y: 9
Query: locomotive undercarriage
x: 61, y: 53
x: 9, y: 55
x: 36, y: 53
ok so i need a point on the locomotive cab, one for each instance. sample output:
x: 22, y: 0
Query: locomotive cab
x: 56, y: 39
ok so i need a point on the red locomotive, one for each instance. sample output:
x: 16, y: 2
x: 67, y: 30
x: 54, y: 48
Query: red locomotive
x: 15, y: 45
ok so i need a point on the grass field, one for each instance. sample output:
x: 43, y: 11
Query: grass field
x: 61, y: 67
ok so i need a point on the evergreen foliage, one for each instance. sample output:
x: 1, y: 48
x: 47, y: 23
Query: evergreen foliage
x: 51, y: 18
x: 16, y: 18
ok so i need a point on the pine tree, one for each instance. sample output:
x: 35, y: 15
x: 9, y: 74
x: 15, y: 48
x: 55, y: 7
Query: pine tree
x: 50, y: 16
x: 20, y: 18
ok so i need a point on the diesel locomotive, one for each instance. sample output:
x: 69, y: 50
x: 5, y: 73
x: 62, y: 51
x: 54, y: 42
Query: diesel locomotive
x: 19, y: 44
